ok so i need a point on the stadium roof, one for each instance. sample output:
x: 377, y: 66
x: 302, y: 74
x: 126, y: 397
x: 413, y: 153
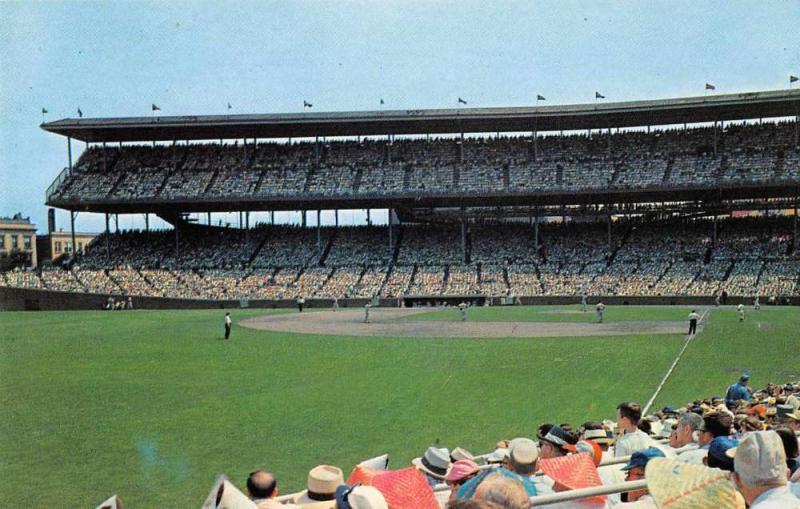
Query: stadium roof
x: 741, y: 106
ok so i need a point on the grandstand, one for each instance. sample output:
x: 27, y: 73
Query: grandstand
x: 634, y: 200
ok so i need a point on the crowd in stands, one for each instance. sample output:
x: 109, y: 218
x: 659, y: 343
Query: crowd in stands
x: 729, y: 452
x: 675, y: 257
x: 702, y: 156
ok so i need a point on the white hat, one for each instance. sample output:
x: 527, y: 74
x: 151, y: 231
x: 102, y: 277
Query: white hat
x: 434, y: 462
x: 523, y: 451
x: 759, y: 458
x: 322, y: 483
x: 360, y: 497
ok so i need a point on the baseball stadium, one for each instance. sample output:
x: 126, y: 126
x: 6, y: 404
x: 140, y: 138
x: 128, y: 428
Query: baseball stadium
x: 614, y: 285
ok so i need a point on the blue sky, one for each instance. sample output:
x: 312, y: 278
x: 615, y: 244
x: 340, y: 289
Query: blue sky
x: 116, y: 58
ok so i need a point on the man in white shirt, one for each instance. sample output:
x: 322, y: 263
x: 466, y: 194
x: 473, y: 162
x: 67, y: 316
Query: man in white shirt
x: 693, y: 317
x: 713, y: 425
x: 684, y: 439
x: 760, y: 472
x: 601, y: 309
x: 228, y: 325
x: 633, y: 439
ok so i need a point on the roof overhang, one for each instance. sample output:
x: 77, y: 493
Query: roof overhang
x: 690, y: 110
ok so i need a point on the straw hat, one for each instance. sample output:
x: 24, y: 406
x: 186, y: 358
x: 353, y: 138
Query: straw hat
x: 359, y: 497
x: 112, y: 503
x: 321, y: 488
x: 680, y: 485
x: 435, y: 462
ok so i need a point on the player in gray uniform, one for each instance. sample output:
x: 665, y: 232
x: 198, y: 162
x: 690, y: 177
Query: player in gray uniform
x: 756, y: 303
x: 601, y: 308
x: 335, y: 304
x: 583, y: 300
x: 367, y: 307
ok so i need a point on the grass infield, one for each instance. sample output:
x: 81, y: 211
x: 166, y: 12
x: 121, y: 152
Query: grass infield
x: 153, y: 404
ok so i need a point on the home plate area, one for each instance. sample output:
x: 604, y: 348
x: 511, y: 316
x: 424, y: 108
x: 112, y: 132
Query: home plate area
x: 384, y: 323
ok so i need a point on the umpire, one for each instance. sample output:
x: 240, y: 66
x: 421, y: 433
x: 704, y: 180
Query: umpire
x: 693, y: 317
x: 227, y: 325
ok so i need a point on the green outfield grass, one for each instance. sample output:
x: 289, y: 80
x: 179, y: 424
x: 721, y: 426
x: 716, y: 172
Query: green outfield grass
x: 571, y: 313
x: 153, y: 404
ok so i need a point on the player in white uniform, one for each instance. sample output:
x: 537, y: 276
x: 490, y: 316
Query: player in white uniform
x: 740, y: 310
x: 367, y: 307
x: 463, y: 308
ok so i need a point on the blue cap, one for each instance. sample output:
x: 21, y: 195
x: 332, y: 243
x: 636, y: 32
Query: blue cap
x: 669, y: 410
x: 745, y: 377
x: 640, y: 458
x: 717, y: 449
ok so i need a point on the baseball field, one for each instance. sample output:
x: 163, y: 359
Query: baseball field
x: 152, y: 405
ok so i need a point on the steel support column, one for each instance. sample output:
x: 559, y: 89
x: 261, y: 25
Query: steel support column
x: 69, y: 153
x: 463, y: 236
x: 72, y: 215
x: 390, y: 232
x: 369, y: 218
x: 536, y: 230
x: 319, y: 233
x: 146, y: 222
x: 609, y: 231
x: 108, y: 241
x: 336, y: 216
x: 303, y: 218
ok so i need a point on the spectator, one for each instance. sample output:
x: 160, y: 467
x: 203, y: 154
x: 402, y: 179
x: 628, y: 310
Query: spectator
x: 262, y: 488
x: 635, y: 471
x: 790, y: 448
x: 554, y: 440
x: 434, y: 464
x: 507, y: 493
x: 633, y: 439
x: 738, y: 391
x: 713, y: 425
x: 461, y: 472
x: 359, y: 497
x: 685, y: 429
x: 717, y: 457
x: 760, y: 472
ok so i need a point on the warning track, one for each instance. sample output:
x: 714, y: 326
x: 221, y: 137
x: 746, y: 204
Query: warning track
x: 384, y: 323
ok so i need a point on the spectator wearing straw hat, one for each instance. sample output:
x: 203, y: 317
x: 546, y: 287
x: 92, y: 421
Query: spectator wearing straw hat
x: 435, y: 464
x: 553, y: 440
x: 321, y: 487
x: 519, y: 465
x: 760, y: 472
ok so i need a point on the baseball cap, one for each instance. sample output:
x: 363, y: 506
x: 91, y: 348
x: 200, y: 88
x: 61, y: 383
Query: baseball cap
x: 759, y: 458
x: 717, y: 449
x: 745, y: 377
x: 640, y: 458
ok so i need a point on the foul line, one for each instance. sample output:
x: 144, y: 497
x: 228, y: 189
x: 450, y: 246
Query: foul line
x: 674, y: 363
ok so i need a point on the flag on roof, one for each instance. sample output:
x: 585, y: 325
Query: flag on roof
x: 598, y: 95
x: 461, y: 101
x: 44, y: 110
x: 155, y: 108
x: 381, y: 100
x: 307, y: 104
x: 540, y: 97
x: 792, y: 79
x: 709, y: 86
x: 229, y: 106
x: 80, y: 113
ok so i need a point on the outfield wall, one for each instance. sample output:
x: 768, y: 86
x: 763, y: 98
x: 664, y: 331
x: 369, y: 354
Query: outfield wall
x: 27, y: 299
